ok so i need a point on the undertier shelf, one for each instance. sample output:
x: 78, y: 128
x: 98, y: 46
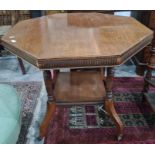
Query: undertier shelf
x: 73, y: 88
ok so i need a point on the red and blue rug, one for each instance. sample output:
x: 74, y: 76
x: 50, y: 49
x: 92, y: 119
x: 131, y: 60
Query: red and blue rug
x: 89, y: 124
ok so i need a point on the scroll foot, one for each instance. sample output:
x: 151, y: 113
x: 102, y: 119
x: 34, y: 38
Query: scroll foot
x: 109, y: 106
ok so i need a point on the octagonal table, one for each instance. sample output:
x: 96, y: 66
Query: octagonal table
x: 78, y: 40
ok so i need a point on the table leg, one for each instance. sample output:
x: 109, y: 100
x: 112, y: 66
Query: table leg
x: 109, y: 105
x: 148, y: 76
x: 49, y: 78
x: 21, y: 64
x: 1, y: 50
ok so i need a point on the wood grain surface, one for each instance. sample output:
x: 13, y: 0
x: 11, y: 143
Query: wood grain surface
x: 61, y: 38
x: 79, y: 87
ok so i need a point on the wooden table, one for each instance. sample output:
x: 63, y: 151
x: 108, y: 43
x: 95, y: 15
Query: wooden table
x: 78, y: 40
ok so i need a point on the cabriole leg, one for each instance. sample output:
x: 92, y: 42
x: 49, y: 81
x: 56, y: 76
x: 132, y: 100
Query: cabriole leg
x: 109, y: 104
x: 49, y: 78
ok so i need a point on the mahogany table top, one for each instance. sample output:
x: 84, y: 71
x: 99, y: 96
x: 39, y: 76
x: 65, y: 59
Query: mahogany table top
x: 77, y: 40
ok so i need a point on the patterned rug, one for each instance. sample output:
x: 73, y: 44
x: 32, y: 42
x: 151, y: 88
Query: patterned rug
x: 29, y: 93
x: 89, y: 124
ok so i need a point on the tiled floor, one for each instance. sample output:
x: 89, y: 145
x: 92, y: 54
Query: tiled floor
x: 10, y: 71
